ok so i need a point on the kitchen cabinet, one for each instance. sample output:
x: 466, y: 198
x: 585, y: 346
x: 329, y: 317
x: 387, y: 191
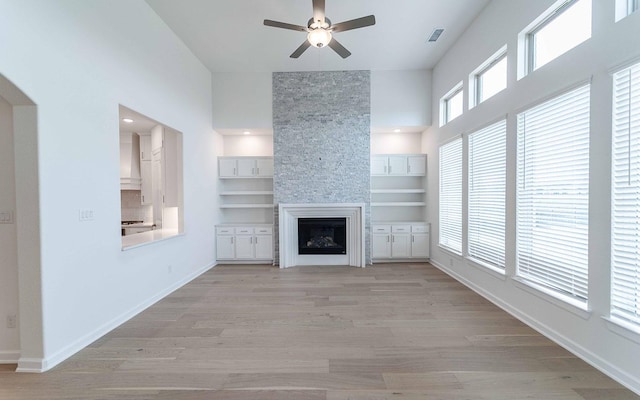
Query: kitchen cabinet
x: 400, y: 241
x: 245, y: 243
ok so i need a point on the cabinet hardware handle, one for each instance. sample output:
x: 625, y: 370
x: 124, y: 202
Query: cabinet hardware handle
x: 257, y: 171
x: 387, y: 239
x: 231, y: 239
x: 234, y: 170
x: 393, y: 238
x: 409, y: 168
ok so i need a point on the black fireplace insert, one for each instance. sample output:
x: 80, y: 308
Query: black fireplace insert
x: 322, y: 236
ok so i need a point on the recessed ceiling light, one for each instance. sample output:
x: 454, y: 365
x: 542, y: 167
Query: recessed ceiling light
x: 247, y: 133
x: 127, y: 120
x: 397, y: 131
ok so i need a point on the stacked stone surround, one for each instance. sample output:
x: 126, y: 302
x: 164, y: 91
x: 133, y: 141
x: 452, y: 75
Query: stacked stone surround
x: 321, y: 140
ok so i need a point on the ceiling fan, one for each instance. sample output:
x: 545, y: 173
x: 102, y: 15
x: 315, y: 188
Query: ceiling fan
x: 319, y: 30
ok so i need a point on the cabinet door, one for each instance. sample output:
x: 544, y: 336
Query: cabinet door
x: 381, y: 245
x: 397, y: 165
x: 225, y: 247
x: 244, y: 247
x: 400, y: 246
x: 379, y: 165
x: 145, y: 147
x: 227, y: 167
x: 246, y: 166
x: 416, y: 165
x: 420, y: 245
x: 264, y: 167
x: 146, y: 188
x: 264, y: 247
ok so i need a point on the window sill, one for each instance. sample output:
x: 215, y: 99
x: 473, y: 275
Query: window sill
x: 487, y: 268
x: 566, y: 303
x: 449, y: 251
x: 623, y: 328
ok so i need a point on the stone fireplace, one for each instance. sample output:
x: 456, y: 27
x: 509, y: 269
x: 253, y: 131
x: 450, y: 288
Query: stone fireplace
x: 321, y: 150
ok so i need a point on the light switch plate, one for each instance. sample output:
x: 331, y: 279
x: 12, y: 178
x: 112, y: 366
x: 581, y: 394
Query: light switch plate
x: 6, y: 217
x: 85, y: 214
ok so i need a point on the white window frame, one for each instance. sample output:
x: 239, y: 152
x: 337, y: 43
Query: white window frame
x: 491, y: 178
x: 526, y: 38
x: 446, y: 222
x: 445, y: 116
x: 552, y: 253
x: 625, y: 159
x: 476, y: 76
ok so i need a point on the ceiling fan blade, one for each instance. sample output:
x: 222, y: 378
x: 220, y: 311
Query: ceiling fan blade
x: 338, y: 48
x: 304, y: 46
x: 284, y: 25
x: 354, y: 24
x: 318, y: 10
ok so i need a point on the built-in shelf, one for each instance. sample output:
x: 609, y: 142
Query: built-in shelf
x: 246, y: 206
x: 399, y: 204
x: 247, y: 193
x: 399, y: 191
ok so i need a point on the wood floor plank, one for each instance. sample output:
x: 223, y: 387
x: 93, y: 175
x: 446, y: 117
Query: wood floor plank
x: 390, y: 331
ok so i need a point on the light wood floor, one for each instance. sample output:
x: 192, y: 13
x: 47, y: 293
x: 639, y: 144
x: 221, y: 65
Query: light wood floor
x: 395, y: 331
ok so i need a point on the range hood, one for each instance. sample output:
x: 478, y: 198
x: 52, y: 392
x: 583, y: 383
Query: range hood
x: 130, y: 161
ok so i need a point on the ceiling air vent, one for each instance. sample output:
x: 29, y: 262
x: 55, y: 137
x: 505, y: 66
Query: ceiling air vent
x: 435, y: 34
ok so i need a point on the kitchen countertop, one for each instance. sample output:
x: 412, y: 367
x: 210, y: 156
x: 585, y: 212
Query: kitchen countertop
x: 138, y: 225
x: 143, y: 238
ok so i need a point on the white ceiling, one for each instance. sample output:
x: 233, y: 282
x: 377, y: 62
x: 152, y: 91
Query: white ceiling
x: 229, y: 35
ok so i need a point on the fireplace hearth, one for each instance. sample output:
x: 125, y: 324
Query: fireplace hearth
x: 322, y: 235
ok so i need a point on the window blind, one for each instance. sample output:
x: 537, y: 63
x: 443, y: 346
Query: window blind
x: 625, y: 236
x: 450, y: 206
x: 553, y: 194
x: 487, y: 191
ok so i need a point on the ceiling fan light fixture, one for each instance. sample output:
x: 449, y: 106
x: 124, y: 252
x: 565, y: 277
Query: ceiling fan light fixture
x: 319, y: 37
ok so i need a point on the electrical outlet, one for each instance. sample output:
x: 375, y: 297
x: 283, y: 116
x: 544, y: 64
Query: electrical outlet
x: 451, y: 262
x: 85, y: 214
x: 6, y: 217
x: 12, y: 321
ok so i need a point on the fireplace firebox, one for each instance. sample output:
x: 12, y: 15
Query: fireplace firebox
x: 322, y: 236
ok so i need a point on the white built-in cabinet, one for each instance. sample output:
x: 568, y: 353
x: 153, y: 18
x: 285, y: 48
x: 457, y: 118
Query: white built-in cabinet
x: 399, y: 165
x: 246, y: 167
x: 246, y: 203
x: 400, y: 241
x: 244, y: 243
x: 398, y: 207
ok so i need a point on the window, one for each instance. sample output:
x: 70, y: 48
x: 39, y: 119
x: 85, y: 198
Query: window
x: 491, y: 77
x: 553, y: 194
x: 450, y: 215
x: 451, y: 104
x: 626, y: 7
x: 487, y: 193
x: 560, y: 30
x: 625, y: 236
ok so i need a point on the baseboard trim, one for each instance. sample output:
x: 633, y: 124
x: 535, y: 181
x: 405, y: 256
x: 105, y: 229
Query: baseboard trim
x: 42, y: 365
x: 9, y: 356
x: 629, y: 381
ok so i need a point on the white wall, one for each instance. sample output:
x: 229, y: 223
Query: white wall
x: 9, y: 339
x: 248, y: 145
x: 396, y: 143
x: 400, y: 98
x: 611, y: 45
x: 242, y: 100
x: 77, y: 61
